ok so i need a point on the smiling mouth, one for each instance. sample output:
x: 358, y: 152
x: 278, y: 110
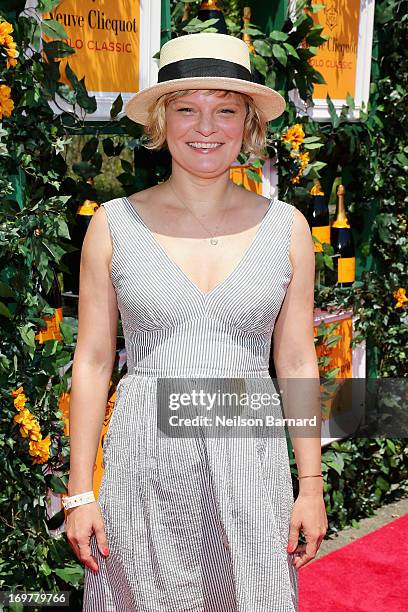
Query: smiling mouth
x: 204, y: 145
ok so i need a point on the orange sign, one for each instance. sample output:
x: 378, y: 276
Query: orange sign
x: 340, y: 356
x: 336, y: 59
x: 105, y: 35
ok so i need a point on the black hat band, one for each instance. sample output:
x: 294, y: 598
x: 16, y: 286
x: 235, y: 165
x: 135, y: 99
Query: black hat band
x: 203, y: 67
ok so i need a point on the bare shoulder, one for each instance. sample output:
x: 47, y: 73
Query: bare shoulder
x: 301, y: 250
x: 97, y: 244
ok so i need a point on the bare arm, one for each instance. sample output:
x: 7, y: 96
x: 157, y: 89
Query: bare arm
x: 94, y: 354
x: 295, y: 354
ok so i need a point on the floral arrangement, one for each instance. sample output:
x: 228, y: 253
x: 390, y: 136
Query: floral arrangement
x: 294, y: 136
x: 8, y: 48
x: 38, y: 447
x: 8, y: 52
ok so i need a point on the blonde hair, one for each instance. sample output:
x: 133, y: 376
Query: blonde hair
x: 254, y: 135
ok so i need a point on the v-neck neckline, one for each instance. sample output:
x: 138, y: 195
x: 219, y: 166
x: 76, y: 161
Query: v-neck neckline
x: 180, y: 271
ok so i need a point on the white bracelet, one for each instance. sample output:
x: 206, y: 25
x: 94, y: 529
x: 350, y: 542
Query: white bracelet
x: 78, y: 500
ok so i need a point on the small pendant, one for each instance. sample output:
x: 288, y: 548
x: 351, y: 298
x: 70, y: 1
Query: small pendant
x: 213, y: 240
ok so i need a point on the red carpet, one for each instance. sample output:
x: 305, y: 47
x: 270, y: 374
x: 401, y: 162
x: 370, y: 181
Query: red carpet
x: 368, y: 575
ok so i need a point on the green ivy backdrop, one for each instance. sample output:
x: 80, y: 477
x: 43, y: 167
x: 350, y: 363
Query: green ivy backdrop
x: 42, y: 183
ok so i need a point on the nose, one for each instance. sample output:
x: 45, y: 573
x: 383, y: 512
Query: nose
x: 205, y: 123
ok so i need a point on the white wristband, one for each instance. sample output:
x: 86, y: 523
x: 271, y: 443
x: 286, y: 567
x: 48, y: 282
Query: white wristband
x: 78, y: 500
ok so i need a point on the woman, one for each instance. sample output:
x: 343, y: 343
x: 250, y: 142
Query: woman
x: 202, y: 272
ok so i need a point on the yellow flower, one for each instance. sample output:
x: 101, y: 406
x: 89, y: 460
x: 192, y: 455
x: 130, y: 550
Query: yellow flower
x: 40, y: 449
x: 7, y: 41
x: 6, y: 103
x: 5, y: 30
x: 294, y: 136
x: 25, y: 418
x: 304, y: 159
x: 20, y: 401
x: 17, y: 391
x: 401, y: 298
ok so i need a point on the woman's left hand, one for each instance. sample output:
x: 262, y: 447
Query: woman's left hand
x: 308, y: 515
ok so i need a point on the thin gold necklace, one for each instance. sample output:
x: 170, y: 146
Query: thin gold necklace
x: 213, y: 240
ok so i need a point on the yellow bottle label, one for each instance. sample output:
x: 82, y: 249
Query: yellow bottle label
x: 323, y: 234
x: 346, y: 272
x: 341, y: 223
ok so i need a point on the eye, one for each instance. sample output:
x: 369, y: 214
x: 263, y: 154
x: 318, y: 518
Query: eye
x: 186, y: 108
x: 228, y: 110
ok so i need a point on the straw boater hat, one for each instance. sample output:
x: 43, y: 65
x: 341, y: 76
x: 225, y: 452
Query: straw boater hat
x: 205, y: 61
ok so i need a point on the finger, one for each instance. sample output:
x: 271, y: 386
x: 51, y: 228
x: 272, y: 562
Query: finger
x: 293, y: 537
x: 302, y: 556
x: 86, y: 557
x: 101, y: 539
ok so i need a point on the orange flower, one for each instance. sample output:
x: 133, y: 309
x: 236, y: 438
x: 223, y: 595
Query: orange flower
x: 7, y: 41
x: 17, y: 391
x: 20, y: 401
x: 30, y: 428
x: 39, y: 450
x: 401, y: 298
x: 294, y: 136
x: 6, y: 103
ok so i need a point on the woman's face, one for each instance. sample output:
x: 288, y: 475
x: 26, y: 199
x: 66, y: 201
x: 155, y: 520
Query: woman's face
x: 199, y: 118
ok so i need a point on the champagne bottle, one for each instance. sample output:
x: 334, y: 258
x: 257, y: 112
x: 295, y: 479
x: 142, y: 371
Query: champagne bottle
x: 246, y: 19
x: 343, y: 244
x: 211, y: 10
x: 318, y: 216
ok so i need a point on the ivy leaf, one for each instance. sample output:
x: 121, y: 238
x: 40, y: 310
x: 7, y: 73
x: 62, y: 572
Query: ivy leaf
x: 27, y: 335
x: 291, y: 50
x: 252, y: 31
x: 260, y: 64
x: 70, y: 575
x: 45, y: 6
x: 57, y: 484
x: 57, y: 49
x: 53, y: 29
x: 88, y: 103
x: 66, y: 332
x: 116, y: 107
x: 333, y: 115
x: 280, y: 54
x: 278, y: 36
x: 263, y: 48
x: 66, y: 93
x: 57, y: 520
x: 89, y: 149
x: 4, y: 311
x: 313, y: 145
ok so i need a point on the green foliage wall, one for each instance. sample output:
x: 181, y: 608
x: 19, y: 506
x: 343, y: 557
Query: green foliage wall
x: 39, y: 195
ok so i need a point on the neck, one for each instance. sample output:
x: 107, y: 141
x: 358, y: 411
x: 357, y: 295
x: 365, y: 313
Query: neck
x: 201, y: 193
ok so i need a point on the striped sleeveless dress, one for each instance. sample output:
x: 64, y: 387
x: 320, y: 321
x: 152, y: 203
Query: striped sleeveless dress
x: 199, y: 523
